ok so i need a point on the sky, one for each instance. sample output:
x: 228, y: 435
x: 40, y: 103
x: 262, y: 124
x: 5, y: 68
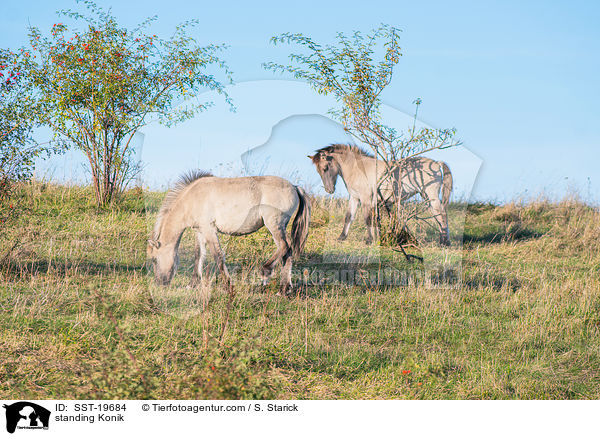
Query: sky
x: 518, y: 80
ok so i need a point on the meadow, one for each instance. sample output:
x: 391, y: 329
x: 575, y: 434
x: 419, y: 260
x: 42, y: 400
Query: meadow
x: 80, y: 317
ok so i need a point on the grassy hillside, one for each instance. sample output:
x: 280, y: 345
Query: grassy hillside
x: 80, y: 317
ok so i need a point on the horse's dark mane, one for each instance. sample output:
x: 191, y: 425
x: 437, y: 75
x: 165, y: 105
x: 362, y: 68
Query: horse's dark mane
x: 333, y: 148
x: 190, y: 177
x: 184, y: 181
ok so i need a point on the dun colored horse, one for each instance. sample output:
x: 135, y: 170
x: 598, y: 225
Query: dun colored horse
x: 233, y: 206
x: 368, y: 182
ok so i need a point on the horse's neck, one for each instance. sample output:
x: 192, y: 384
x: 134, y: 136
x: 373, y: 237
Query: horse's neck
x: 172, y: 227
x: 359, y: 171
x: 353, y: 164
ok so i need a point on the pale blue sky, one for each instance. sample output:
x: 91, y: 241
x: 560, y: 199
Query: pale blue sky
x: 518, y: 80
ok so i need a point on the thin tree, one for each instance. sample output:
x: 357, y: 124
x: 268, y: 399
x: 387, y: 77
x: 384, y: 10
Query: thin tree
x: 355, y: 71
x: 99, y: 83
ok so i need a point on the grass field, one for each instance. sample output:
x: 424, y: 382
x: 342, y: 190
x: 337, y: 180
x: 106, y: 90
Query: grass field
x: 81, y: 318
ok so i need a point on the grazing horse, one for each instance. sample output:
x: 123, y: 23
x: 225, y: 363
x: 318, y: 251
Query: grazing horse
x: 233, y: 206
x: 361, y: 173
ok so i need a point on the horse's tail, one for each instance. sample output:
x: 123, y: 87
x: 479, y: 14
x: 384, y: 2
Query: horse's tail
x: 446, y: 184
x: 301, y: 223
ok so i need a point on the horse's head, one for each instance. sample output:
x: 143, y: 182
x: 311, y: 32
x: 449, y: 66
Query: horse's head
x: 328, y: 169
x: 164, y: 258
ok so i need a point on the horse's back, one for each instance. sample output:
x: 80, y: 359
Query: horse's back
x: 425, y: 164
x: 417, y: 174
x: 270, y: 190
x: 239, y: 205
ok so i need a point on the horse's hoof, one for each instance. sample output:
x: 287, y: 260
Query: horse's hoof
x: 342, y: 238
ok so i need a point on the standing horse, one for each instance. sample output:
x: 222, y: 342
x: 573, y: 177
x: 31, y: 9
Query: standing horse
x: 361, y: 173
x: 233, y: 206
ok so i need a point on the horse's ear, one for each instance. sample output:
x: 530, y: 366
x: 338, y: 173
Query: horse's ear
x: 310, y: 157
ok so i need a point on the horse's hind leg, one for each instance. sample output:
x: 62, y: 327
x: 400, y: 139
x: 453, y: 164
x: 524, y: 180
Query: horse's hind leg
x: 286, y: 272
x: 439, y: 213
x: 370, y: 221
x: 213, y: 242
x: 283, y: 253
x: 199, y: 259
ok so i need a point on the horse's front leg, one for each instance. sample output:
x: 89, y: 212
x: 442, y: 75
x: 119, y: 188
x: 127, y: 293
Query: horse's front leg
x: 200, y: 255
x: 350, y: 214
x: 215, y: 247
